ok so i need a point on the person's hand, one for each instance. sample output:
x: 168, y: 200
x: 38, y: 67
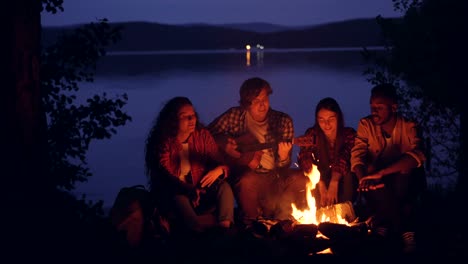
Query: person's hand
x: 307, y: 166
x: 196, y: 198
x: 231, y: 148
x: 284, y: 149
x: 255, y: 161
x: 211, y: 177
x: 371, y: 182
x: 332, y: 193
x: 323, y: 193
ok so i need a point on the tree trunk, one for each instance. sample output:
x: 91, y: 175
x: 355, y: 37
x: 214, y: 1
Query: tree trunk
x: 25, y: 178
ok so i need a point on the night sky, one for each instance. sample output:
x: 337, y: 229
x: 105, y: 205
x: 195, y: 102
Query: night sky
x: 281, y: 12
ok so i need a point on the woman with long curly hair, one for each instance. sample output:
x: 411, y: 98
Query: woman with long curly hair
x: 185, y: 170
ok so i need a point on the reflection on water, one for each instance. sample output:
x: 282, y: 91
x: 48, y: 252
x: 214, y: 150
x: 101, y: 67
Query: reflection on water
x: 259, y: 54
x: 299, y: 78
x: 259, y: 58
x: 138, y: 63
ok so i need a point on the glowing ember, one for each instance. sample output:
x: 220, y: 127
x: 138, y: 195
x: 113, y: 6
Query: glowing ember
x: 309, y: 215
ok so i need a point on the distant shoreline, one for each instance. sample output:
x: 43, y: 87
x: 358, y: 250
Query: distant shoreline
x: 153, y: 38
x: 215, y: 51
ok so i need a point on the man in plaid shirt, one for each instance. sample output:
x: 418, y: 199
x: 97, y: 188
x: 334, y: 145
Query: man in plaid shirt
x: 263, y: 182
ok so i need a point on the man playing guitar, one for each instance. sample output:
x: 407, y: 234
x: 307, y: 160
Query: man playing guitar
x: 263, y: 182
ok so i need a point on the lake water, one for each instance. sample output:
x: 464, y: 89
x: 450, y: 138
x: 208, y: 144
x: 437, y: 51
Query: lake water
x: 211, y: 79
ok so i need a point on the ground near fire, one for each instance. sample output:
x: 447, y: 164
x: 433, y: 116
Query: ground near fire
x: 339, y: 231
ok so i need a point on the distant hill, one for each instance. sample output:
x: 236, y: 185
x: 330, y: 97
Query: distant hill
x: 257, y: 27
x: 145, y: 36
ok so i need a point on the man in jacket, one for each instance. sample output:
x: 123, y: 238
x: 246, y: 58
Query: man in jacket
x: 388, y: 158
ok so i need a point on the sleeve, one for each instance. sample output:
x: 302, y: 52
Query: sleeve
x: 165, y: 175
x: 222, y: 124
x: 416, y: 143
x: 360, y: 148
x: 341, y: 164
x: 306, y: 154
x: 219, y: 128
x: 287, y: 134
x: 215, y: 158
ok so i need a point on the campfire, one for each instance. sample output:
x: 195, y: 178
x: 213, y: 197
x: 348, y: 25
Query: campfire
x: 315, y: 231
x: 334, y: 214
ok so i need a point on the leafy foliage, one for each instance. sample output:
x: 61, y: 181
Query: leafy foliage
x: 403, y: 5
x: 72, y: 126
x: 52, y: 6
x: 425, y: 58
x: 428, y: 50
x: 440, y: 127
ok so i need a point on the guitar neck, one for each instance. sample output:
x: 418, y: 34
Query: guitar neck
x: 255, y: 147
x: 300, y: 141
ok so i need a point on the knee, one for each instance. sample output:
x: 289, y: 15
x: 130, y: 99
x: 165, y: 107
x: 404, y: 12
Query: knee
x: 247, y: 181
x: 224, y: 187
x: 299, y: 181
x: 225, y: 191
x: 298, y: 175
x: 179, y: 200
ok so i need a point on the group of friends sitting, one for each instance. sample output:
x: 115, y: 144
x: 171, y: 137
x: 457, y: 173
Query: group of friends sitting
x: 244, y: 157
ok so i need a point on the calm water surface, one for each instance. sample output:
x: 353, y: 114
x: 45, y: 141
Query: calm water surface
x: 299, y: 78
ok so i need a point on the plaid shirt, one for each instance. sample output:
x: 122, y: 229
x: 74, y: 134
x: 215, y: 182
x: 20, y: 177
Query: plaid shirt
x: 232, y: 123
x: 203, y: 155
x: 340, y: 163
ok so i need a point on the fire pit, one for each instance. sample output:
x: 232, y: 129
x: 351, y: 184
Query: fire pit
x: 312, y: 230
x: 341, y: 213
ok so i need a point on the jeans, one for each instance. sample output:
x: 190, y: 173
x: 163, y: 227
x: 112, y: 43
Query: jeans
x: 219, y: 199
x: 394, y: 205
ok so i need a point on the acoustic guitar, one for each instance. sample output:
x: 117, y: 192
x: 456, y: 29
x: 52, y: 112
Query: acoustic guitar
x: 250, y: 148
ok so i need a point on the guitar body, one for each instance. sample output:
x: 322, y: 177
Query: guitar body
x: 246, y: 139
x: 252, y: 150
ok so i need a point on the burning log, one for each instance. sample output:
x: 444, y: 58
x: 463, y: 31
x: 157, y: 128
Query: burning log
x: 305, y: 230
x: 305, y: 240
x: 340, y: 232
x: 290, y: 228
x: 299, y: 238
x: 259, y: 229
x: 282, y: 229
x: 344, y: 239
x: 337, y: 213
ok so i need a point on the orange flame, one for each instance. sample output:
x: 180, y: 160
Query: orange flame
x: 309, y: 215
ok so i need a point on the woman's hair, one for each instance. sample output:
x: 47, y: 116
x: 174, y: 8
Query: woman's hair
x: 251, y: 88
x: 166, y: 125
x: 329, y: 104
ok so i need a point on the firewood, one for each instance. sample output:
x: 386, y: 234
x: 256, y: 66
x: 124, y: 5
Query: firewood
x: 306, y: 230
x: 259, y: 229
x: 282, y: 229
x: 339, y: 231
